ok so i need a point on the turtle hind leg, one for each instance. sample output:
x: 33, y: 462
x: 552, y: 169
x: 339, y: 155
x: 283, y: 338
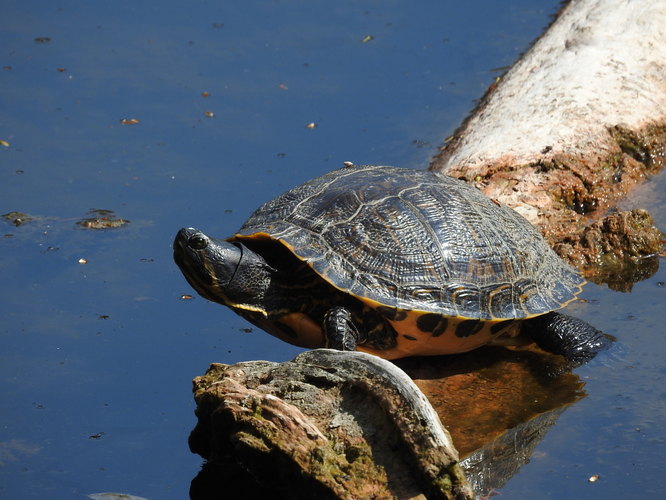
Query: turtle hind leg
x: 570, y: 337
x: 340, y: 330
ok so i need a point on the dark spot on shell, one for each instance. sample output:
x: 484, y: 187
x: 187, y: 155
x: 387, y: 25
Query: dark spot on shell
x: 468, y: 327
x: 381, y: 338
x: 391, y: 313
x: 409, y: 337
x: 432, y: 322
x: 498, y: 327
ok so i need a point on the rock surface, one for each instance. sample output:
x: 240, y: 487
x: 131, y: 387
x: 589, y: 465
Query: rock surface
x: 328, y: 424
x: 349, y: 425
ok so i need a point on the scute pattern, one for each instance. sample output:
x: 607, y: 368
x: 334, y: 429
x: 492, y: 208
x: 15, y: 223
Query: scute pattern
x: 416, y: 240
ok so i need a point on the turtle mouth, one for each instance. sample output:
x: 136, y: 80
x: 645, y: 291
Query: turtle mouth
x: 187, y: 247
x: 180, y: 246
x: 207, y: 264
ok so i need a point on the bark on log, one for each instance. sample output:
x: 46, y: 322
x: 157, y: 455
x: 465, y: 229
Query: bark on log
x: 572, y: 126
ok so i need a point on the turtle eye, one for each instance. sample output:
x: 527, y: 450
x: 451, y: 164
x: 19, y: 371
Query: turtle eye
x: 197, y: 242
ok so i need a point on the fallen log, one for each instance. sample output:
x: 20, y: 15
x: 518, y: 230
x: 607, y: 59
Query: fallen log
x: 571, y: 128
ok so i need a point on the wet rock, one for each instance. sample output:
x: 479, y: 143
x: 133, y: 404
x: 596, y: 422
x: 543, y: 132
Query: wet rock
x: 326, y: 425
x: 620, y: 249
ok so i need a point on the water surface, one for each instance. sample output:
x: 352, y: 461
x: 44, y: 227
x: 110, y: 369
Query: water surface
x: 96, y: 358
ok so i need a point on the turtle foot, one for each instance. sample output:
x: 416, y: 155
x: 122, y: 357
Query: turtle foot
x: 341, y: 332
x: 573, y: 338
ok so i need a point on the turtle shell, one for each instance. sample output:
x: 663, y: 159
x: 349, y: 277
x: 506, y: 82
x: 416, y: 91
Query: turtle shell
x: 417, y: 241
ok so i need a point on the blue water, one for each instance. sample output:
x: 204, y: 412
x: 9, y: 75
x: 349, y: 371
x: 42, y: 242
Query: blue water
x: 96, y: 358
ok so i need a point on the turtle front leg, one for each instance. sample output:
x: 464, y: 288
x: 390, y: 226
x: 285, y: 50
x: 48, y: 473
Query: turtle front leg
x: 570, y: 337
x: 340, y: 330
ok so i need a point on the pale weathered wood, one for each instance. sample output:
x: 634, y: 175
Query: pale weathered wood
x: 601, y: 64
x: 578, y: 121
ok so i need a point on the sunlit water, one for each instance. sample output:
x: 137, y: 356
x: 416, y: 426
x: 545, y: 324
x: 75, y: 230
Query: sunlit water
x: 96, y: 358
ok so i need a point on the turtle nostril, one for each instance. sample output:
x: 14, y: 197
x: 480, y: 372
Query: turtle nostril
x: 197, y: 242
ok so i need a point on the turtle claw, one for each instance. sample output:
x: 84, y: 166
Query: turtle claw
x: 341, y: 332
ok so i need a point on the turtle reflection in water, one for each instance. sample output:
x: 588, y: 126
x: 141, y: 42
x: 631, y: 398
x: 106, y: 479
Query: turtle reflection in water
x: 395, y: 262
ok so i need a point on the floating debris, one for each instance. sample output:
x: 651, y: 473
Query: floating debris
x: 311, y: 125
x: 101, y: 219
x: 282, y: 86
x: 42, y: 39
x: 4, y: 143
x: 205, y: 94
x: 114, y: 496
x: 209, y: 114
x: 420, y: 144
x: 186, y: 296
x: 82, y: 261
x: 17, y: 218
x: 129, y: 121
x: 593, y: 479
x: 367, y: 38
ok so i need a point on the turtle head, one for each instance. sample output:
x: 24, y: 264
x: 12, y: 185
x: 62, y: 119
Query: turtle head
x: 221, y: 271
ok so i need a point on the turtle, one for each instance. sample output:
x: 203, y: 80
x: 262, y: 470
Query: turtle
x: 395, y: 262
